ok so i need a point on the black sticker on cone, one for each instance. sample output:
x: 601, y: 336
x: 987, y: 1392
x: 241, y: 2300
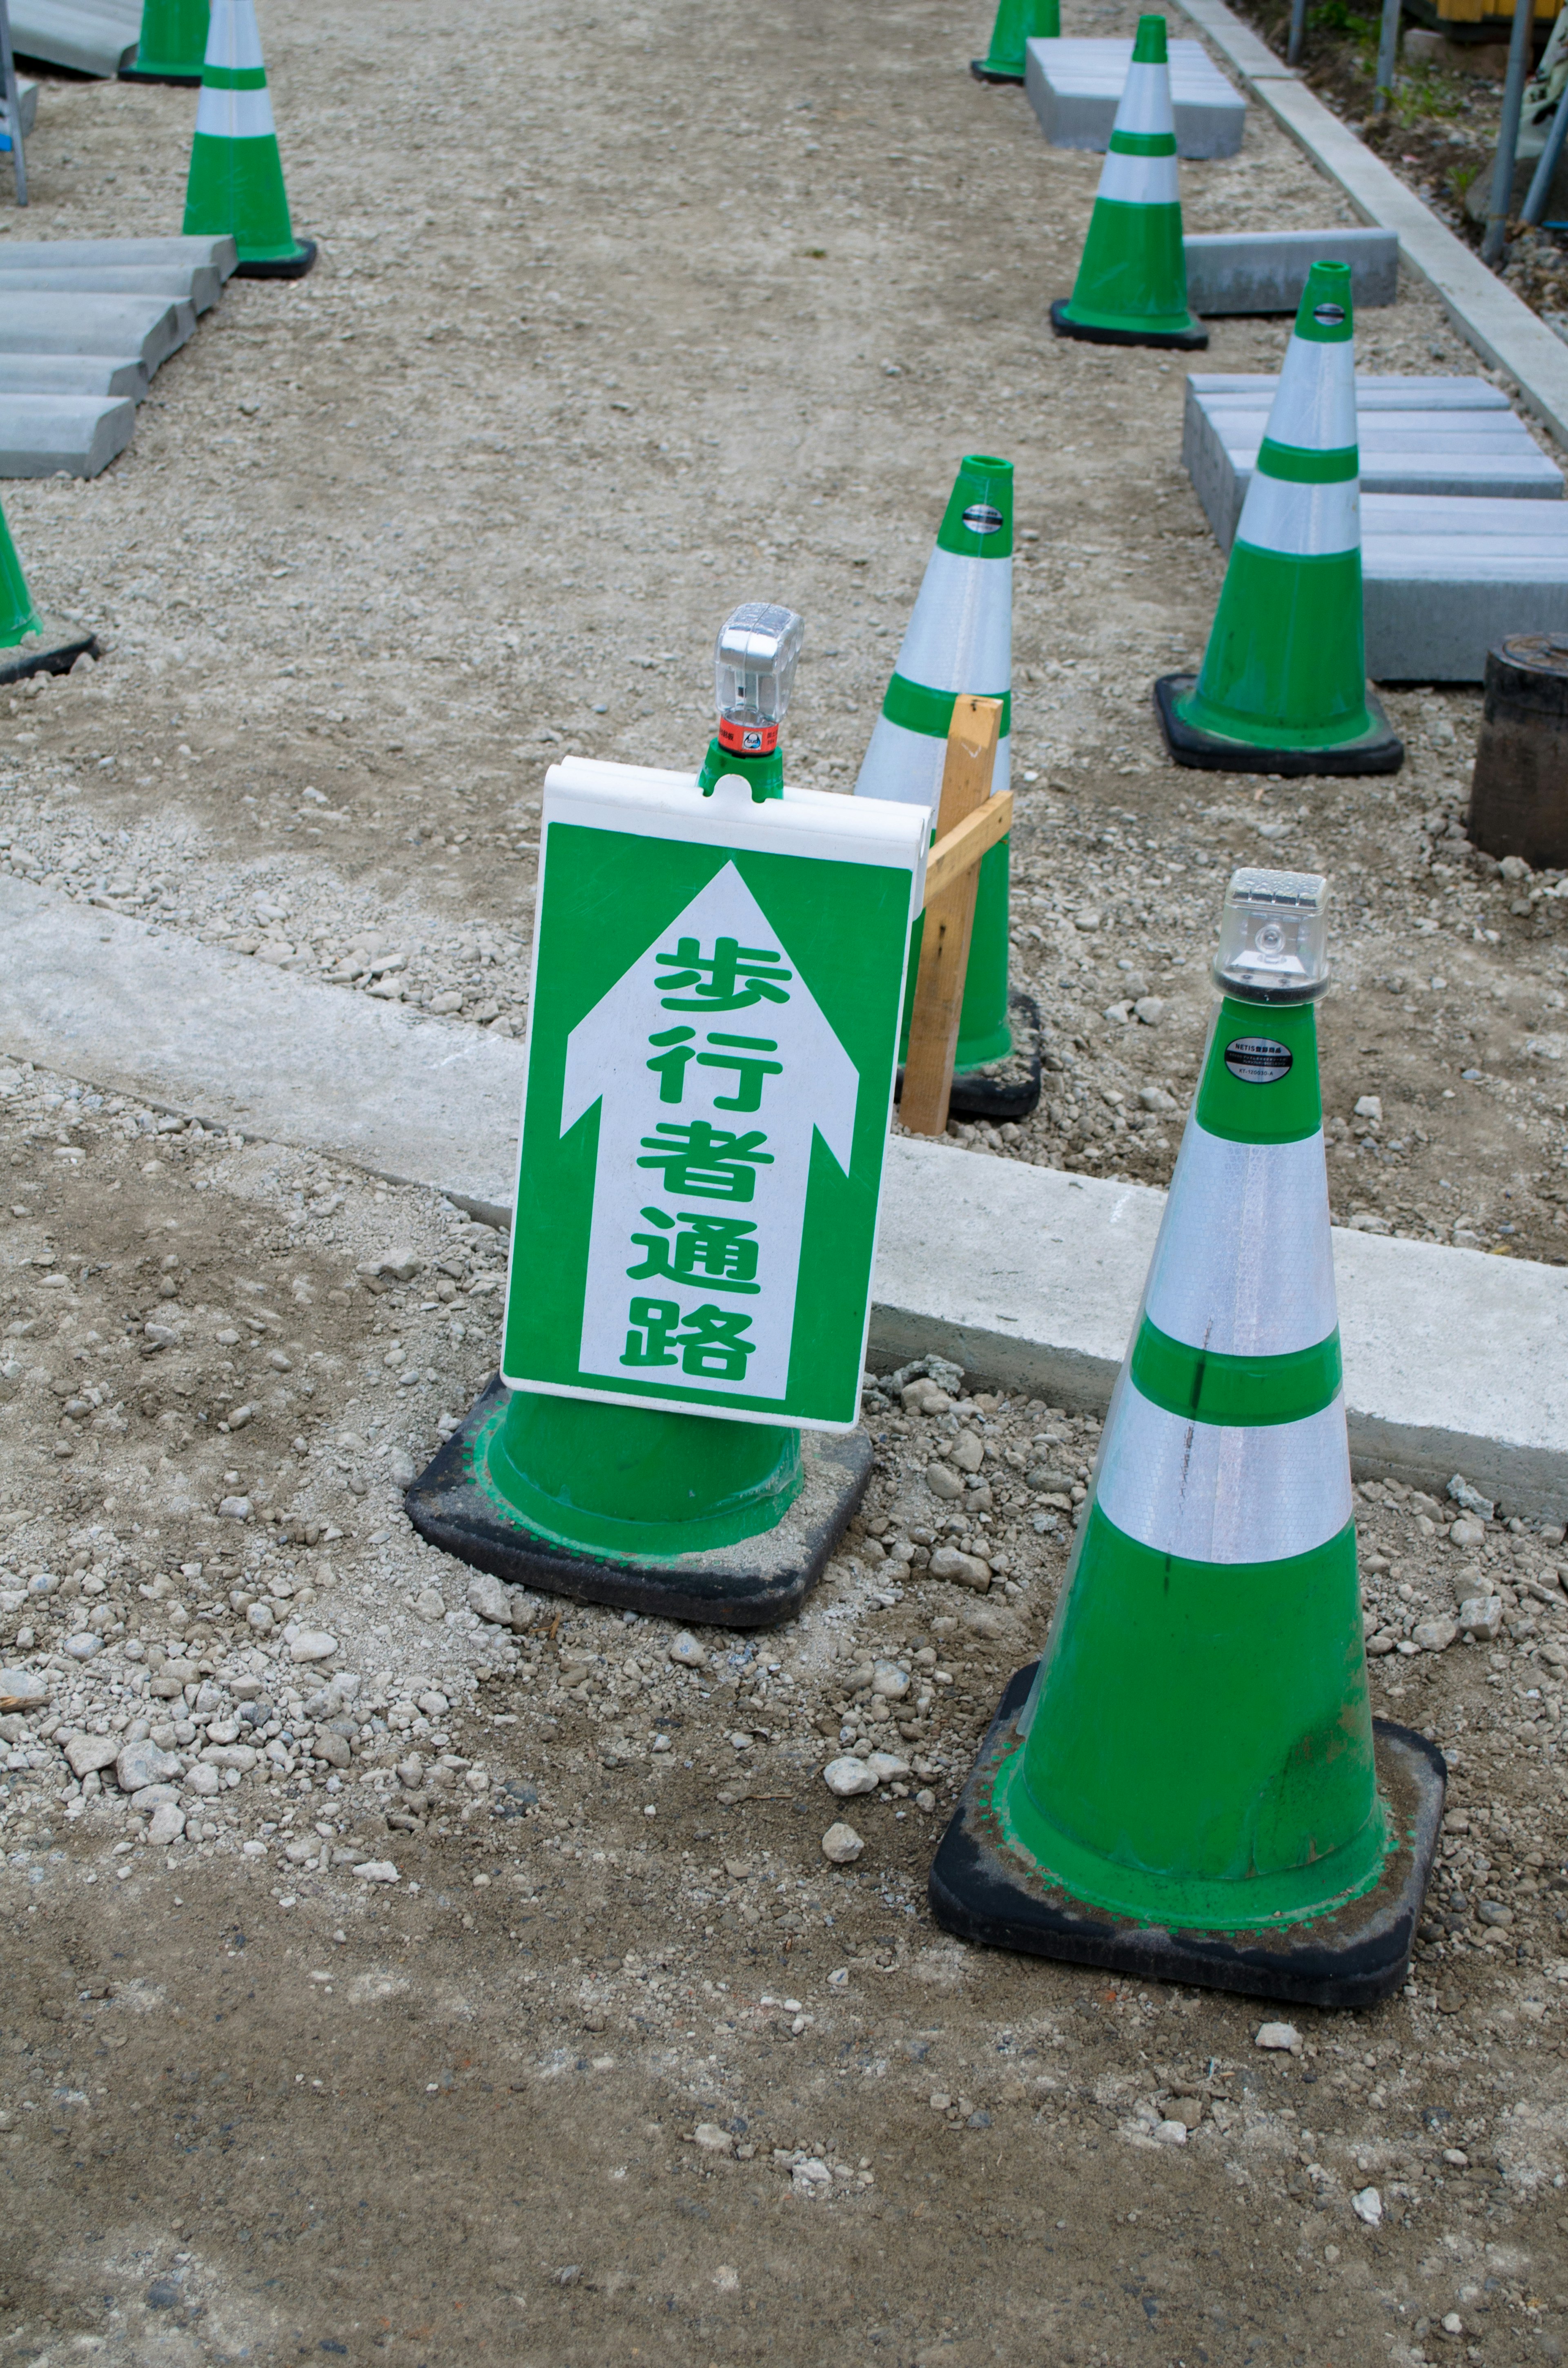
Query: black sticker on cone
x: 1257, y: 1060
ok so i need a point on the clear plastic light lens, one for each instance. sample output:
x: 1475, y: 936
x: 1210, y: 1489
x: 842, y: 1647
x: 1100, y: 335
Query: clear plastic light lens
x: 753, y: 667
x: 1274, y: 936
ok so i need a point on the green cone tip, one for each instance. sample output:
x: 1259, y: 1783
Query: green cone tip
x: 978, y: 520
x: 1149, y: 49
x: 1327, y: 314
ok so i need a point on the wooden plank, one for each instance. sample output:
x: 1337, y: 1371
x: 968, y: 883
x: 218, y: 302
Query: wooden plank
x: 949, y: 918
x: 976, y: 836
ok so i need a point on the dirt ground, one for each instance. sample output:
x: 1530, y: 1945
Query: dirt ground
x: 606, y: 2059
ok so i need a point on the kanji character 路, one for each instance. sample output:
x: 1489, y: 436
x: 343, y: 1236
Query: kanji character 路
x: 655, y: 1322
x: 711, y: 1346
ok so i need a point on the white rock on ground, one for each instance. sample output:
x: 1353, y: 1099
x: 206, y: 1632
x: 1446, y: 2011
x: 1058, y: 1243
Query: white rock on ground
x: 847, y: 1776
x: 1367, y: 2206
x: 841, y: 1845
x: 1283, y: 2035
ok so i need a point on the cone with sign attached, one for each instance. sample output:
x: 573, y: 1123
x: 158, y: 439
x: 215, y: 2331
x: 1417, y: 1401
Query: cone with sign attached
x: 31, y: 643
x: 236, y: 175
x: 1283, y: 685
x: 961, y: 639
x: 173, y: 44
x: 1131, y: 283
x: 674, y: 1430
x: 1018, y: 21
x: 1190, y: 1786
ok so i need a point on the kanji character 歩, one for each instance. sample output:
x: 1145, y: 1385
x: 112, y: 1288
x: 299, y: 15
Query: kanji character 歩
x: 718, y: 1252
x: 706, y: 1160
x: 728, y: 979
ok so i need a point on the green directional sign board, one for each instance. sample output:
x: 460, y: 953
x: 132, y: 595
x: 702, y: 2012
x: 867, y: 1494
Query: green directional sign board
x: 712, y: 1039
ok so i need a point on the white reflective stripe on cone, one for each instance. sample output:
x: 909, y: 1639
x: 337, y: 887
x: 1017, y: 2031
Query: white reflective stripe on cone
x: 1314, y: 403
x: 1210, y: 1493
x: 1244, y: 1264
x: 1140, y: 180
x: 235, y: 115
x: 233, y: 38
x: 907, y: 765
x: 1145, y: 104
x: 1301, y: 521
x: 960, y: 635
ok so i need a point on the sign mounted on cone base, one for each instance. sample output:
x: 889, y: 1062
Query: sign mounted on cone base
x: 1347, y: 1956
x: 1381, y: 750
x: 53, y: 648
x: 713, y: 1019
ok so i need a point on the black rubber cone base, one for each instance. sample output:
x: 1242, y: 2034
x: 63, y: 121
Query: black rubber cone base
x: 1185, y: 341
x: 170, y: 81
x: 287, y: 266
x: 1008, y: 1088
x: 983, y: 72
x: 53, y: 649
x: 1381, y: 750
x: 1352, y: 1958
x: 752, y: 1585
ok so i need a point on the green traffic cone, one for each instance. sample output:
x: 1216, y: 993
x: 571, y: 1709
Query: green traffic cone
x: 31, y: 643
x: 1283, y: 686
x: 236, y: 175
x: 1189, y: 1785
x: 961, y: 639
x: 1131, y: 283
x: 1017, y: 22
x: 686, y: 1517
x: 173, y: 44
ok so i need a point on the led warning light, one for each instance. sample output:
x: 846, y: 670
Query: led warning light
x: 1274, y: 936
x: 754, y: 673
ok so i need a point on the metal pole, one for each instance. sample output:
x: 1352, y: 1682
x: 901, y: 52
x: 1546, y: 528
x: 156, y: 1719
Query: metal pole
x: 1546, y: 167
x: 1298, y: 32
x: 1388, y: 53
x: 1508, y: 133
x: 13, y: 104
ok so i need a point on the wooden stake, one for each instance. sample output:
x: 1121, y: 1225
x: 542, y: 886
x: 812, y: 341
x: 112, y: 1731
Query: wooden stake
x: 949, y: 918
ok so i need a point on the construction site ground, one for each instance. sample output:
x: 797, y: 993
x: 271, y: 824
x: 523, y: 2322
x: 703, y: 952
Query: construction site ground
x: 617, y: 322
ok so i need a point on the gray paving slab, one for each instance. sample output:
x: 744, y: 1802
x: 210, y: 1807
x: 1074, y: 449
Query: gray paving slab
x: 1074, y: 87
x: 1265, y: 271
x: 95, y: 40
x: 1465, y: 440
x: 1445, y: 578
x: 26, y: 108
x: 197, y: 284
x: 1027, y: 1276
x: 42, y: 434
x: 73, y: 374
x: 218, y: 255
x: 43, y: 322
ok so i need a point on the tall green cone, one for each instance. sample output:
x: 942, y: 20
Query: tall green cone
x: 1283, y: 686
x: 1131, y: 283
x: 1193, y: 1765
x: 958, y: 639
x: 171, y: 47
x: 18, y: 618
x: 1018, y: 21
x: 236, y: 175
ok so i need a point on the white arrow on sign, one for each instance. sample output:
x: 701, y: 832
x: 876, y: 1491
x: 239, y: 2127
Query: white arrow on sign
x: 715, y: 1068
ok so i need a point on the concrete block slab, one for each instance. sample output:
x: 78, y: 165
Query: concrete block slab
x: 1443, y: 579
x: 73, y: 374
x: 148, y: 326
x: 95, y: 40
x: 218, y: 255
x: 42, y: 434
x: 81, y: 433
x: 197, y: 284
x: 1265, y: 271
x: 1075, y: 87
x: 26, y: 108
x: 1457, y: 444
x: 1027, y: 1277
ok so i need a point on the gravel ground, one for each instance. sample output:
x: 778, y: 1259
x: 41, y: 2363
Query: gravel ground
x: 565, y: 2081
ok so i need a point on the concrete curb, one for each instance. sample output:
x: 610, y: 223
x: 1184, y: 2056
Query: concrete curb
x: 1027, y: 1276
x: 1489, y: 316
